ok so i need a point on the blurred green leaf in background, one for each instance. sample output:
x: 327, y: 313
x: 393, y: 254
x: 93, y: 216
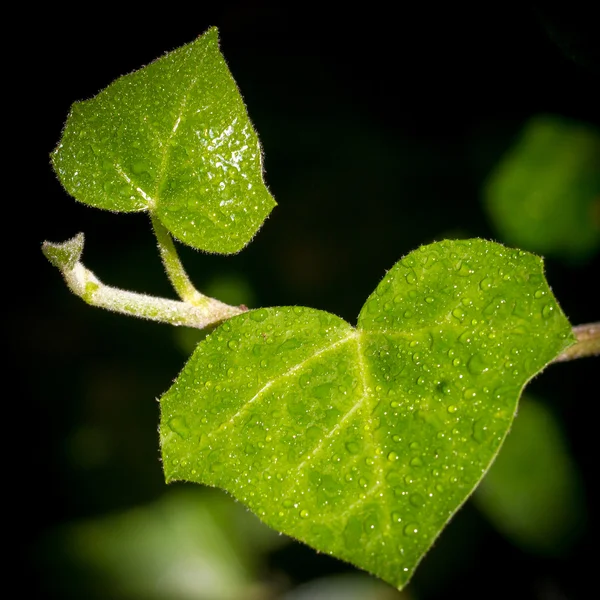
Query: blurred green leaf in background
x: 544, y: 195
x: 189, y: 544
x: 532, y: 493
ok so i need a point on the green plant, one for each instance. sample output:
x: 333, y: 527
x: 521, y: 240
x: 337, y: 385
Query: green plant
x: 361, y: 441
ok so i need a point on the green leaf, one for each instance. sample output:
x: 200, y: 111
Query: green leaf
x: 363, y: 442
x: 544, y: 195
x: 184, y: 545
x: 533, y: 493
x: 172, y: 138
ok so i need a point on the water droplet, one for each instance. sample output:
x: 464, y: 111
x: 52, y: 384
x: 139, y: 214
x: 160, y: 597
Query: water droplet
x: 411, y: 278
x: 480, y: 431
x: 464, y: 270
x: 477, y: 364
x: 399, y: 492
x: 408, y: 314
x: 363, y: 482
x: 353, y: 532
x: 465, y: 337
x: 469, y: 393
x: 373, y: 306
x: 258, y: 315
x: 444, y: 388
x: 452, y: 408
x: 547, y: 311
x: 416, y: 462
x: 304, y: 514
x: 396, y: 517
x: 493, y: 306
x: 392, y: 456
x: 416, y: 500
x: 371, y: 523
x: 353, y: 447
x: 288, y: 503
x: 421, y: 380
x: 456, y: 362
x: 457, y: 313
x: 539, y: 294
x: 298, y: 310
x: 304, y: 380
x: 430, y: 299
x: 178, y: 425
x: 411, y: 529
x: 383, y: 287
x: 396, y: 438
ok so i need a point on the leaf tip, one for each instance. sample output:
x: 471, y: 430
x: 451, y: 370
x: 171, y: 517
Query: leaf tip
x: 66, y: 254
x: 211, y: 34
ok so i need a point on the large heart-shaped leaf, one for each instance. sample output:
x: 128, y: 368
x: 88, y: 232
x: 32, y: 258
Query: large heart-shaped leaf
x: 363, y: 442
x: 174, y: 139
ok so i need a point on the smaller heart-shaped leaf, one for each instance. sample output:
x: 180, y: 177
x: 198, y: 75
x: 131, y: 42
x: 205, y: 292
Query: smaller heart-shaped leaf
x: 174, y: 139
x: 363, y: 442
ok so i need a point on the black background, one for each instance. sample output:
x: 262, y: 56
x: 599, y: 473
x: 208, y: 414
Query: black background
x: 379, y: 125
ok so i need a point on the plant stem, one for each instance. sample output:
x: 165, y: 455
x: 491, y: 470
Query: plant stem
x: 83, y: 283
x: 588, y: 343
x: 174, y: 268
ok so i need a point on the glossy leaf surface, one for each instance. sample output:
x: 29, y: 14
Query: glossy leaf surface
x: 363, y: 442
x: 173, y: 138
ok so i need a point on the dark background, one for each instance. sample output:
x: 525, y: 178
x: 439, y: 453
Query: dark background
x: 379, y: 126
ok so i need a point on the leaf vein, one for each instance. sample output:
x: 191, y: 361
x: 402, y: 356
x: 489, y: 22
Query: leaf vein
x: 277, y: 379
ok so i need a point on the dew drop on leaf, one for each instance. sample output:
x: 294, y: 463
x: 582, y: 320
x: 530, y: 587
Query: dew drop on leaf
x: 416, y: 500
x: 480, y: 431
x: 178, y: 425
x: 476, y: 364
x: 353, y: 447
x: 547, y: 311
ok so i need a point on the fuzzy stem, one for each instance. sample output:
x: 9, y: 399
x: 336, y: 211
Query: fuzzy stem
x: 83, y: 283
x: 588, y: 343
x: 174, y: 268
